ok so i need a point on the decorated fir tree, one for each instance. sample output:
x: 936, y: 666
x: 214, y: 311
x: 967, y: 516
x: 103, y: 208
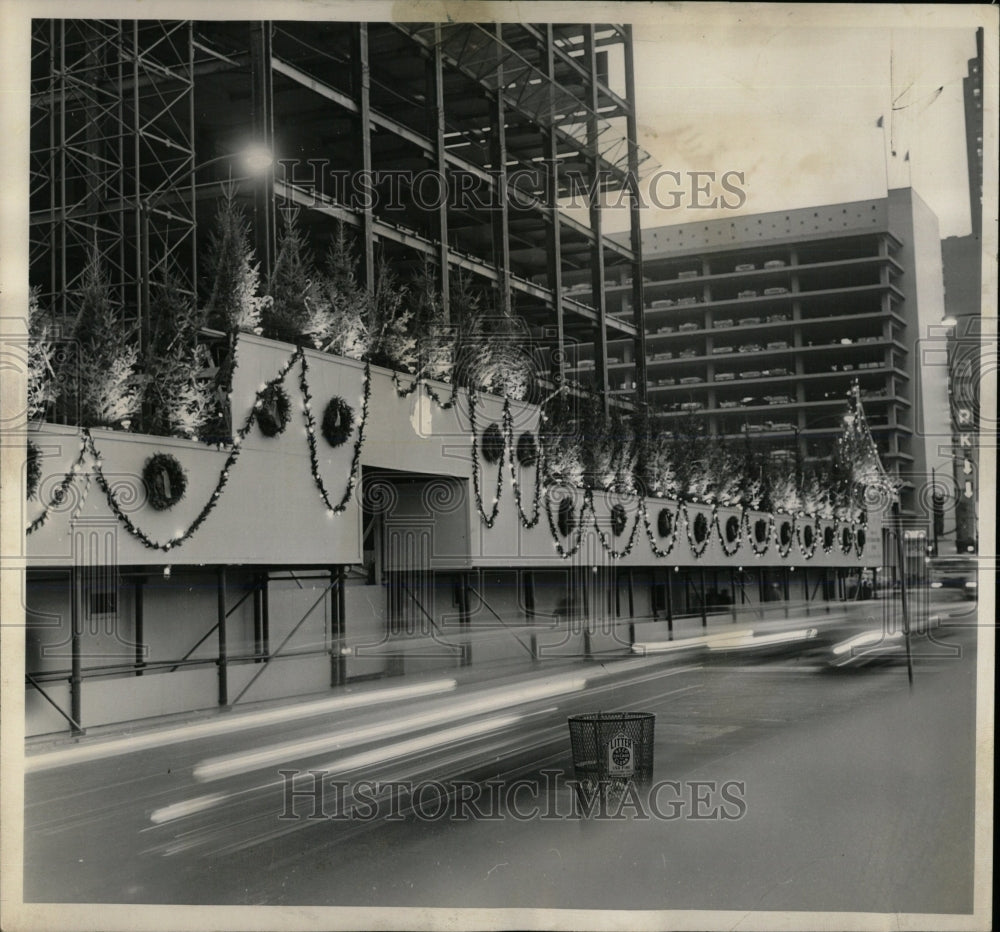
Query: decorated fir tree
x: 178, y: 397
x: 340, y: 292
x: 233, y: 279
x: 42, y: 385
x: 434, y: 335
x: 393, y: 345
x: 654, y: 470
x: 298, y: 312
x: 561, y: 441
x: 104, y: 357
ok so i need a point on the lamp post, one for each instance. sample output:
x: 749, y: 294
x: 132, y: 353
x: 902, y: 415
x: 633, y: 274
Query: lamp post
x: 258, y: 160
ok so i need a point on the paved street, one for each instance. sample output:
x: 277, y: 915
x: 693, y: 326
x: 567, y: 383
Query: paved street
x: 847, y: 791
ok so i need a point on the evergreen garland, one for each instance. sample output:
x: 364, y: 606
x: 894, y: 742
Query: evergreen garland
x: 33, y: 469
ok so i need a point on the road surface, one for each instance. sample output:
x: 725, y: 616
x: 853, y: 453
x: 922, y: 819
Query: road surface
x: 846, y: 791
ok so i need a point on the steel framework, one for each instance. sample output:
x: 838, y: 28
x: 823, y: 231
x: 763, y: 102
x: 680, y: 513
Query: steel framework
x: 112, y: 121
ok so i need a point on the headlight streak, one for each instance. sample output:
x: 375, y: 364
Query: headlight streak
x: 494, y: 700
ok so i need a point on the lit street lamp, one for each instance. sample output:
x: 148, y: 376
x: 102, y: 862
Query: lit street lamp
x: 258, y: 160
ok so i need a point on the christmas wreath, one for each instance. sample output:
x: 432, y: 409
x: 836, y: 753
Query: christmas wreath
x: 34, y: 469
x: 567, y: 517
x: 527, y: 450
x: 618, y: 519
x: 492, y: 445
x: 338, y: 421
x: 700, y: 528
x: 165, y: 481
x: 732, y: 529
x: 273, y: 410
x: 664, y: 523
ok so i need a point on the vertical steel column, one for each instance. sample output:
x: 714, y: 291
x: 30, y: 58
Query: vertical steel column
x: 635, y: 229
x: 265, y: 620
x: 498, y: 158
x: 704, y: 607
x: 435, y: 98
x: 362, y: 94
x: 903, y: 598
x: 596, y: 225
x: 139, y: 634
x: 732, y: 592
x: 785, y: 587
x: 670, y: 607
x: 76, y: 632
x: 528, y: 595
x: 258, y: 629
x: 553, y: 250
x: 262, y: 88
x: 338, y: 627
x: 223, y: 673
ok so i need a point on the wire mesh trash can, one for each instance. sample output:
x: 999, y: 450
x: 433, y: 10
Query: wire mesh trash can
x: 610, y: 751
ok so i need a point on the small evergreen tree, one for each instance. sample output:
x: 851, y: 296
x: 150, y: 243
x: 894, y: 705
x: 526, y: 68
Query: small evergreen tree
x: 393, y: 345
x: 435, y: 339
x: 233, y: 277
x: 340, y: 292
x: 561, y: 442
x: 653, y: 467
x: 105, y: 356
x: 42, y: 389
x: 177, y: 402
x: 298, y: 312
x: 687, y: 453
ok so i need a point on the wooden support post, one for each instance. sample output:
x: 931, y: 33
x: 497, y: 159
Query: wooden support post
x: 223, y: 657
x: 732, y: 592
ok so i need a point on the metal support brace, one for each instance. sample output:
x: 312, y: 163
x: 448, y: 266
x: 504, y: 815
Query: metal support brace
x: 221, y: 626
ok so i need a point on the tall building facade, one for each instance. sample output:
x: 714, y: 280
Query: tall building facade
x: 963, y: 279
x: 763, y: 323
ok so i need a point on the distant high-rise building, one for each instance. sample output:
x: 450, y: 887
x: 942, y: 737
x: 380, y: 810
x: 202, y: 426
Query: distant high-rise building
x: 762, y: 324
